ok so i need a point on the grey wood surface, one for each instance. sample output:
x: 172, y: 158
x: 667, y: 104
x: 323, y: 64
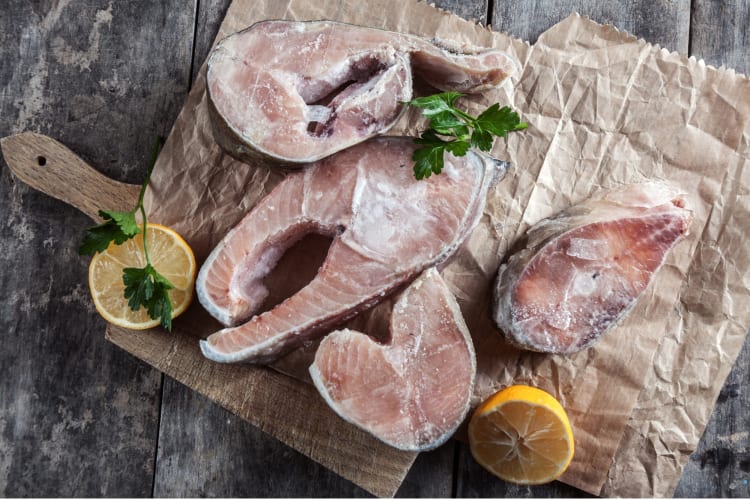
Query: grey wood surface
x: 78, y: 417
x: 720, y: 467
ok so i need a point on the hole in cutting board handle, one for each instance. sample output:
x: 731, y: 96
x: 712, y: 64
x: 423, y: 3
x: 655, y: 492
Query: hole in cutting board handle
x: 41, y: 160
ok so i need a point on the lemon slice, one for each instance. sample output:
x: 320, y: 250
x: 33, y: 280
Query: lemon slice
x: 522, y: 435
x: 171, y: 257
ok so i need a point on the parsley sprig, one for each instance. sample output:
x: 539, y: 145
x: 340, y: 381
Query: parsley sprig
x: 462, y: 130
x: 144, y: 287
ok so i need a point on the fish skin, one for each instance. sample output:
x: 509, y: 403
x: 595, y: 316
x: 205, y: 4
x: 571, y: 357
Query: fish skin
x: 386, y: 229
x: 268, y: 102
x: 583, y: 270
x: 414, y: 391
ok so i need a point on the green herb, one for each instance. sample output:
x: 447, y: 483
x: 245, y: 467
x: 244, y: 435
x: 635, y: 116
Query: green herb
x: 460, y: 129
x: 144, y: 287
x: 118, y: 227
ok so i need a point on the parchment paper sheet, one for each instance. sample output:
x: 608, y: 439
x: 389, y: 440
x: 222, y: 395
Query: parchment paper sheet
x: 604, y: 109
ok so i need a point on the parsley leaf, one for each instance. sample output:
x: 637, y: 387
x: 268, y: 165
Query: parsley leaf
x: 447, y: 123
x: 124, y: 220
x: 481, y: 139
x: 428, y: 158
x: 146, y: 287
x: 117, y: 226
x: 499, y: 121
x: 427, y: 161
x: 457, y: 148
x: 467, y: 131
x: 437, y: 103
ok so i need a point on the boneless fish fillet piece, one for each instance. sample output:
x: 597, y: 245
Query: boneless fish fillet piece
x: 584, y: 269
x: 412, y: 392
x: 295, y: 92
x: 386, y: 226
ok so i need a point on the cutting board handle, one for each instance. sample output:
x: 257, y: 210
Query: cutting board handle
x: 48, y: 166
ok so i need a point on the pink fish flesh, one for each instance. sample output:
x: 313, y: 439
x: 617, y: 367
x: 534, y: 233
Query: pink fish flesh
x: 295, y: 92
x: 386, y: 226
x: 413, y: 392
x: 584, y: 269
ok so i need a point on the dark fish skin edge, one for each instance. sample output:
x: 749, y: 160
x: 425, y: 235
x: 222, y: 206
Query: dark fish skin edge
x: 232, y: 144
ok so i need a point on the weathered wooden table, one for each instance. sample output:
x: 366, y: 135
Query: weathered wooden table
x: 80, y: 417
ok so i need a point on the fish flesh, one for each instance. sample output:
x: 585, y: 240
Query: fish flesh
x: 584, y: 269
x: 413, y: 391
x: 386, y: 228
x: 296, y: 92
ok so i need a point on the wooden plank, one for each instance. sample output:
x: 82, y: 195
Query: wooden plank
x: 474, y: 481
x: 473, y: 10
x: 205, y: 450
x: 208, y: 19
x: 720, y: 33
x: 245, y: 461
x: 664, y: 23
x: 78, y: 416
x: 432, y: 475
x: 720, y: 467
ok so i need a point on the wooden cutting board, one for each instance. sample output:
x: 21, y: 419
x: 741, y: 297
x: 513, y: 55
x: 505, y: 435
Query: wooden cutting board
x: 299, y: 418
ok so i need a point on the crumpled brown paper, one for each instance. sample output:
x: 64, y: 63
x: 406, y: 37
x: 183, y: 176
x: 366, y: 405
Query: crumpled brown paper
x: 604, y: 109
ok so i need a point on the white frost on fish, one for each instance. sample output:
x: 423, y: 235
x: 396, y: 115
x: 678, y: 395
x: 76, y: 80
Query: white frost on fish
x: 583, y: 269
x: 386, y: 227
x: 413, y: 391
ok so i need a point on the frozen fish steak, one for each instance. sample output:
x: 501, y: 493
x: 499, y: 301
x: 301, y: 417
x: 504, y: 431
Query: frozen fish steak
x: 296, y: 92
x: 386, y: 229
x: 413, y: 392
x: 584, y: 269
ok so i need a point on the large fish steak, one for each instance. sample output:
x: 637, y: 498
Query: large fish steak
x: 412, y: 392
x: 386, y: 227
x: 295, y: 92
x: 584, y: 269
